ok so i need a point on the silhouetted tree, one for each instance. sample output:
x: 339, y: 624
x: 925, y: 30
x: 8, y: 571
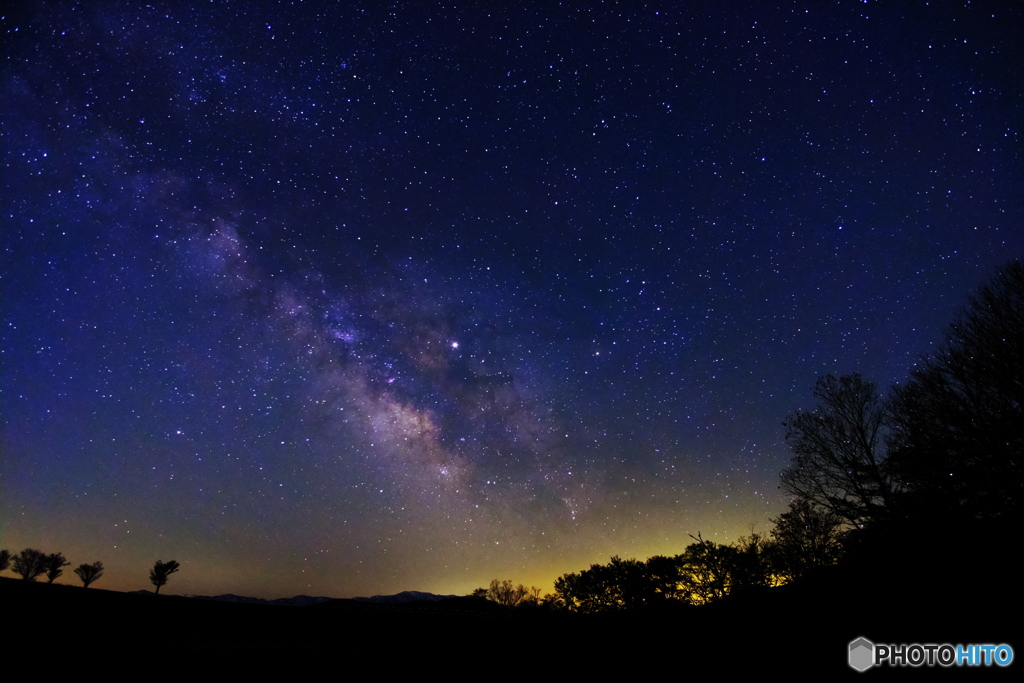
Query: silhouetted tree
x: 5, y: 559
x: 54, y: 565
x: 504, y: 593
x: 532, y: 597
x: 638, y: 584
x: 29, y: 564
x: 840, y: 451
x: 805, y: 538
x: 752, y: 563
x: 552, y: 601
x: 707, y: 569
x: 566, y: 591
x: 89, y: 573
x: 958, y: 444
x: 161, y: 572
x: 664, y: 579
x: 592, y: 590
x: 628, y: 583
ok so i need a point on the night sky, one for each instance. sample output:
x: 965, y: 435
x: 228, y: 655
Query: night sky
x: 354, y: 298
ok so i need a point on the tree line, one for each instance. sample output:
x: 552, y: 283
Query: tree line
x: 942, y: 451
x: 802, y: 540
x: 30, y: 564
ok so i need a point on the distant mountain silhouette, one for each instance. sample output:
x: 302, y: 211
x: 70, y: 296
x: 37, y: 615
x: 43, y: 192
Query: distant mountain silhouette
x: 405, y: 597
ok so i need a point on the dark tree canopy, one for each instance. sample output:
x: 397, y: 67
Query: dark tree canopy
x: 5, y: 559
x: 958, y: 441
x: 840, y: 451
x: 161, y: 572
x: 752, y: 564
x: 89, y: 573
x: 705, y: 572
x: 711, y: 571
x: 620, y: 584
x: 29, y: 563
x: 805, y: 538
x: 54, y: 565
x: 591, y: 590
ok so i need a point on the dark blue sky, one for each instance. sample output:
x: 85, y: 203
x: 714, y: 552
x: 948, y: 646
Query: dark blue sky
x: 354, y: 298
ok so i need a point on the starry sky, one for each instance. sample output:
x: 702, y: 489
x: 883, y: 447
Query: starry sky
x: 354, y: 298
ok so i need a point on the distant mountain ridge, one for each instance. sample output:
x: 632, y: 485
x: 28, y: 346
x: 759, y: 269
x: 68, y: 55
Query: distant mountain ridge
x: 405, y: 597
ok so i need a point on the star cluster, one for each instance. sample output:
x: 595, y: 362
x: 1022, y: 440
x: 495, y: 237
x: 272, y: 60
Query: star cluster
x: 354, y: 298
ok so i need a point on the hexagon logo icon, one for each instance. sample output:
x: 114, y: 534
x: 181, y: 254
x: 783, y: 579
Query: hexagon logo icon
x: 862, y: 654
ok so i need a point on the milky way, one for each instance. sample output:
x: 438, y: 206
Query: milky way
x: 357, y: 299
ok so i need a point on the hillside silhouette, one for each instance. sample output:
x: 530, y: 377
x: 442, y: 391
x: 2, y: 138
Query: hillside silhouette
x: 802, y: 627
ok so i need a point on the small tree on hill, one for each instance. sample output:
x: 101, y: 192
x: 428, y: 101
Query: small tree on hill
x: 89, y: 573
x: 54, y: 565
x: 161, y: 572
x: 29, y: 563
x: 5, y: 559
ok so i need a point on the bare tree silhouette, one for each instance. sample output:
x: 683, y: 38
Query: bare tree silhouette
x: 840, y: 451
x: 505, y: 593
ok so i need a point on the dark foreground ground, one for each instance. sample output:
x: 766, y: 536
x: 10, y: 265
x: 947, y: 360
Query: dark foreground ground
x: 800, y: 631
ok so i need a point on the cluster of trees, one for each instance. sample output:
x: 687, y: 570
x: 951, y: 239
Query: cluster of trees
x: 30, y: 564
x: 948, y: 444
x: 508, y: 594
x: 803, y: 539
